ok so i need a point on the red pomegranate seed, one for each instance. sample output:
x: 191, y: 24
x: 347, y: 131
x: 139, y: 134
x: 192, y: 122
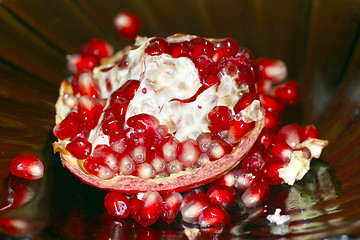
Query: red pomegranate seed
x: 257, y: 193
x: 188, y: 152
x: 118, y: 109
x: 220, y: 118
x: 107, y: 156
x: 145, y: 170
x: 273, y: 121
x: 227, y: 179
x: 246, y: 76
x: 97, y: 167
x: 224, y: 48
x: 278, y: 150
x: 205, y: 65
x: 77, y: 63
x: 271, y: 69
x: 204, y: 140
x: 139, y: 153
x: 171, y: 206
x: 217, y: 149
x: 84, y: 83
x: 158, y: 163
x: 143, y: 122
x: 118, y: 141
x: 214, y: 215
x: 265, y: 136
x: 210, y: 80
x: 245, y: 101
x: 310, y: 131
x: 126, y: 164
x: 117, y: 204
x: 244, y: 179
x: 97, y: 48
x: 272, y: 104
x: 127, y: 24
x: 111, y: 124
x: 79, y: 147
x: 167, y: 149
x: 288, y: 92
x: 223, y: 195
x: 178, y: 49
x: 156, y: 46
x: 291, y: 133
x: 149, y: 209
x: 200, y: 46
x: 126, y: 91
x: 193, y: 208
x: 238, y: 129
x: 90, y: 110
x: 69, y: 127
x: 271, y: 173
x: 254, y: 161
x: 174, y: 167
x: 203, y: 159
x: 27, y: 166
x: 134, y: 206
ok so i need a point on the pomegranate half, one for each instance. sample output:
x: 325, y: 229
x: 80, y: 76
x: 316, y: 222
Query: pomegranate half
x: 159, y: 115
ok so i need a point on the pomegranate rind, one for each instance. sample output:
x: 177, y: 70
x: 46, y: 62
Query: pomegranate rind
x: 179, y: 182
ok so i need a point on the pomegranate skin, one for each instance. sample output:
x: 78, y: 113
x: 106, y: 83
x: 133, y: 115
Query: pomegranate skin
x: 179, y: 182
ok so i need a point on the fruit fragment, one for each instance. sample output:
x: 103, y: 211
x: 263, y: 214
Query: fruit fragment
x: 27, y: 166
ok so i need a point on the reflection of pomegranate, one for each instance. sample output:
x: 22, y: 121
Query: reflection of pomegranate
x: 160, y: 115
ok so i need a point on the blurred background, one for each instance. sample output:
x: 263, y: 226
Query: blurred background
x: 318, y: 40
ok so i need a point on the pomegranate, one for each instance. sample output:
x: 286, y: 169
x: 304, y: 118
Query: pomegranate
x: 147, y: 108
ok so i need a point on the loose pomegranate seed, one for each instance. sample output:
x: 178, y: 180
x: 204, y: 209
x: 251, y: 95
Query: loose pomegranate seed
x: 214, y: 215
x: 310, y: 131
x: 188, y: 152
x: 217, y: 149
x: 265, y: 136
x: 27, y: 166
x: 79, y: 148
x: 128, y: 25
x: 149, y: 209
x: 193, y: 208
x: 126, y: 164
x: 223, y: 195
x: 200, y: 46
x: 106, y: 155
x: 77, y: 63
x: 271, y: 173
x: 126, y: 91
x: 117, y: 204
x: 271, y: 69
x: 255, y: 160
x: 292, y: 134
x: 143, y: 122
x: 171, y: 206
x: 145, y: 170
x: 158, y: 163
x: 174, y: 167
x: 257, y: 193
x: 220, y: 118
x: 156, y: 46
x: 167, y: 149
x: 288, y: 92
x: 224, y: 48
x: 272, y: 104
x: 97, y: 48
x: 273, y: 121
x: 278, y: 150
x: 245, y: 101
x: 227, y: 179
x: 238, y: 129
x: 84, y: 83
x: 178, y: 49
x: 97, y: 167
x: 69, y: 127
x: 244, y: 179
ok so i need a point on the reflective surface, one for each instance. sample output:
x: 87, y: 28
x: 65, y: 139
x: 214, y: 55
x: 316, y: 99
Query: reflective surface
x: 319, y: 41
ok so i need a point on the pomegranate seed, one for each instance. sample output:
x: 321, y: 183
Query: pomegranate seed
x: 205, y: 65
x: 126, y: 91
x: 278, y: 150
x: 288, y: 92
x: 77, y: 63
x: 254, y: 161
x: 158, y: 163
x: 90, y: 110
x: 188, y: 152
x: 200, y: 46
x: 224, y: 48
x: 146, y: 171
x: 97, y: 167
x: 272, y: 104
x: 214, y: 215
x: 246, y: 76
x: 143, y: 122
x: 223, y: 195
x: 272, y: 121
x: 203, y: 159
x: 257, y: 193
x: 291, y: 133
x: 271, y: 69
x: 118, y: 109
x: 106, y: 155
x: 134, y: 206
x: 310, y: 131
x: 271, y: 173
x: 27, y: 166
x: 209, y: 80
x: 174, y: 167
x: 117, y: 204
x: 79, y: 147
x: 265, y: 136
x: 126, y: 164
x: 111, y: 124
x: 15, y: 226
x: 193, y: 208
x: 139, y: 154
x: 244, y: 179
x: 227, y: 179
x: 178, y: 49
x: 69, y: 127
x: 84, y: 83
x: 127, y: 24
x: 97, y: 48
x: 149, y: 209
x: 190, y: 194
x: 171, y: 206
x: 217, y: 149
x: 167, y: 149
x: 204, y: 140
x: 238, y: 129
x: 117, y: 141
x: 156, y: 46
x: 245, y: 101
x: 220, y: 118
